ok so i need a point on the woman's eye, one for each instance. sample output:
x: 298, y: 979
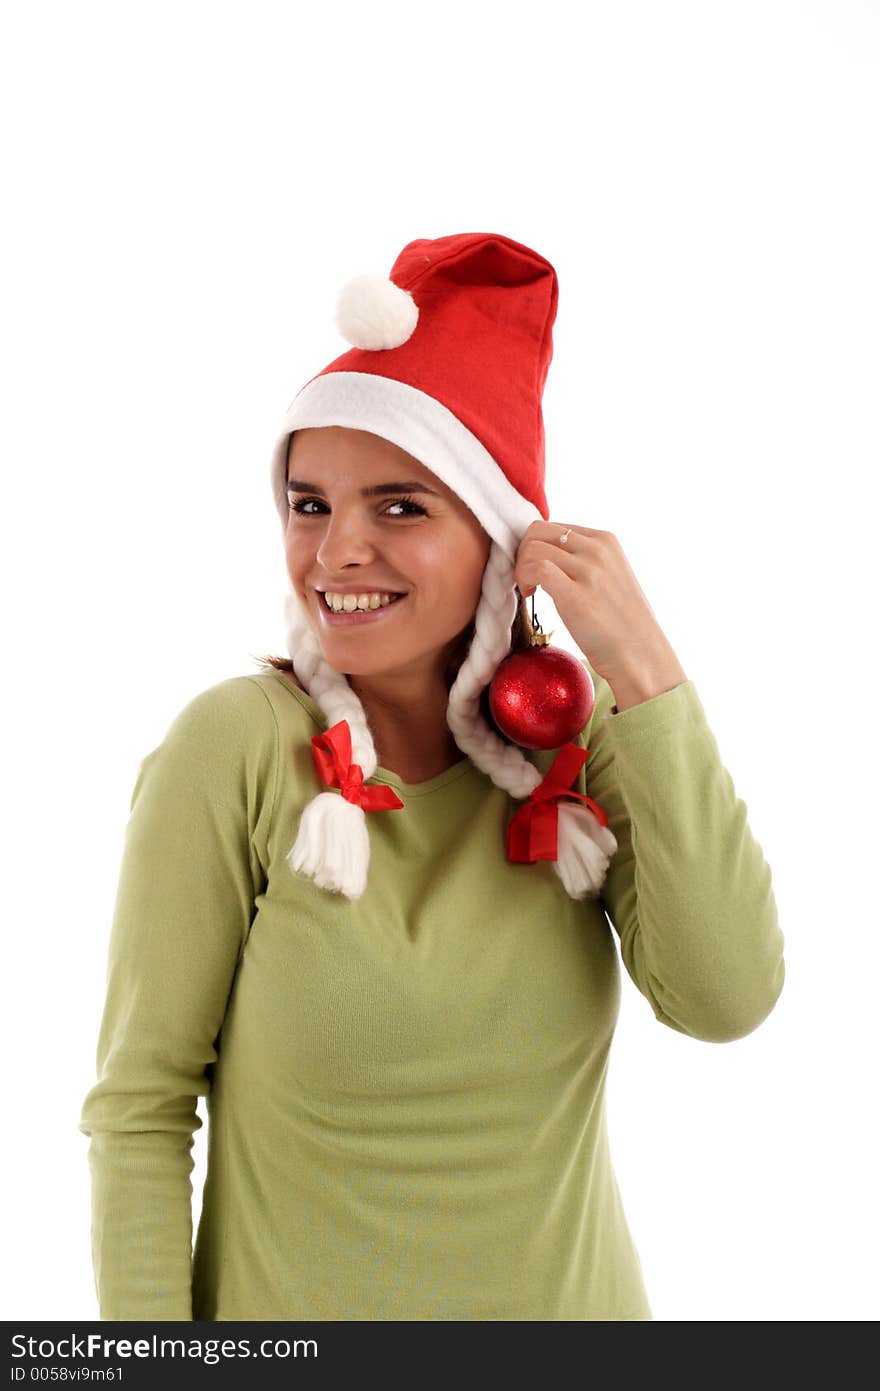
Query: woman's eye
x: 412, y: 508
x: 299, y: 506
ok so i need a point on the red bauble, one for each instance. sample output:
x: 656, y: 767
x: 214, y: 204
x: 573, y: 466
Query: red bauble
x: 541, y: 697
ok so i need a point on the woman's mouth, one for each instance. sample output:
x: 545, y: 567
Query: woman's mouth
x: 343, y: 618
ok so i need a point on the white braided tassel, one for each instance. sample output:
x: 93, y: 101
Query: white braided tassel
x: 333, y: 844
x: 584, y: 849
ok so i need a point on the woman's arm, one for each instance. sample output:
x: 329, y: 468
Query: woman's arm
x: 688, y: 891
x: 194, y: 858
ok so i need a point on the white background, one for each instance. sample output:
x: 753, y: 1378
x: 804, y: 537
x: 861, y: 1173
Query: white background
x: 187, y: 186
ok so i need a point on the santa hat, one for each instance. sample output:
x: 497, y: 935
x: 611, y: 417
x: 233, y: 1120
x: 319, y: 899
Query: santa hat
x: 449, y: 358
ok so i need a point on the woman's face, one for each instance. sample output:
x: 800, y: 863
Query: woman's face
x: 430, y: 547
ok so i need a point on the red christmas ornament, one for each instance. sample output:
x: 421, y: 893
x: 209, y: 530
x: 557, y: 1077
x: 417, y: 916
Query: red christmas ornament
x: 541, y: 697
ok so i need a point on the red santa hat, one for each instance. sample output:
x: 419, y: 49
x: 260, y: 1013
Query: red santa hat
x: 448, y: 360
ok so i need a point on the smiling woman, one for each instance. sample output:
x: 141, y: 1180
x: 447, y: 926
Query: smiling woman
x: 400, y: 1022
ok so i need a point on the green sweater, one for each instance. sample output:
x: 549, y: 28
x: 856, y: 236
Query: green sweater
x: 406, y: 1092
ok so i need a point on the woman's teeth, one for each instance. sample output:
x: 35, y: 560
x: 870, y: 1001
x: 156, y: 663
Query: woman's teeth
x: 347, y: 603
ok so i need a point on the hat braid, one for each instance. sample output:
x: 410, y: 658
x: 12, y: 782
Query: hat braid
x: 584, y: 846
x: 333, y: 843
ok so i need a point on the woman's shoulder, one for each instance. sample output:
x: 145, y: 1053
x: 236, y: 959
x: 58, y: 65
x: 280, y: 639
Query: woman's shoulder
x: 283, y: 692
x: 232, y: 700
x: 222, y: 738
x: 272, y: 675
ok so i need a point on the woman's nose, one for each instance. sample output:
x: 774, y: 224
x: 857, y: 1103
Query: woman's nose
x: 345, y: 540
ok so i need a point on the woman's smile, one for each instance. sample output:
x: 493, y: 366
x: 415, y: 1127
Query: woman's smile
x: 356, y: 617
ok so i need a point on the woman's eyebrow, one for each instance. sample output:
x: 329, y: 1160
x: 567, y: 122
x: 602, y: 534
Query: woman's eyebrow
x: 298, y: 485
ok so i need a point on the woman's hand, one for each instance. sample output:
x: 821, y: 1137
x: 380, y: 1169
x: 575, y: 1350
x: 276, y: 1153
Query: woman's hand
x: 602, y: 605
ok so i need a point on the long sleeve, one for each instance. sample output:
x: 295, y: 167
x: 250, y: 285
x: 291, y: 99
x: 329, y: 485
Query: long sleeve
x: 688, y: 891
x: 194, y: 859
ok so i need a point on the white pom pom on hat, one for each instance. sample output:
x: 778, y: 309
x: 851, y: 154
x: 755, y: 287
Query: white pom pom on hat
x: 372, y: 312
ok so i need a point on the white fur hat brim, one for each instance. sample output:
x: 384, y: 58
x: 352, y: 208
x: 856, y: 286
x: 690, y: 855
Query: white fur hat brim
x: 425, y: 428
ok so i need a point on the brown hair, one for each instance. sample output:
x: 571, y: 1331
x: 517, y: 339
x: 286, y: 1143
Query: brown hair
x: 521, y: 633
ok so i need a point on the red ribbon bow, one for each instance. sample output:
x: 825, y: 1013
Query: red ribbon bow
x: 533, y: 833
x: 332, y: 754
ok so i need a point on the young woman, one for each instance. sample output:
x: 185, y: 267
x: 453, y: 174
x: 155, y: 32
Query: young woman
x: 401, y: 1013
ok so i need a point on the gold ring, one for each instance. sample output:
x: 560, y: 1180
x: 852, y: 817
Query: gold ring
x: 564, y: 537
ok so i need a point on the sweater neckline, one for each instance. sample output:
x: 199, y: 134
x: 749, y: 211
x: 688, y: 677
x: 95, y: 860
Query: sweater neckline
x: 458, y: 770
